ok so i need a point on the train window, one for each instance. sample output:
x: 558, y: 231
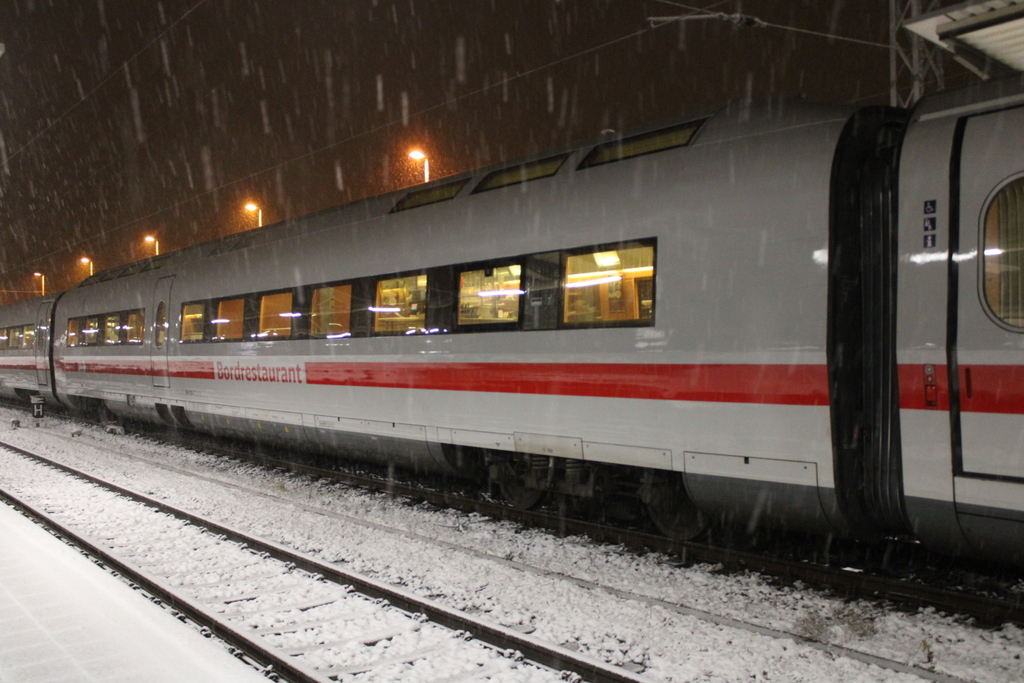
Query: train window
x: 3, y: 339
x: 1004, y: 254
x: 612, y: 286
x: 132, y: 269
x: 229, y: 323
x: 135, y: 323
x: 401, y: 305
x: 110, y: 274
x: 14, y: 338
x: 112, y: 328
x: 154, y: 263
x: 28, y: 337
x: 73, y: 338
x: 645, y: 143
x: 535, y: 170
x: 331, y: 312
x: 160, y: 327
x: 430, y: 195
x: 276, y: 314
x: 490, y: 296
x: 90, y: 332
x: 193, y: 318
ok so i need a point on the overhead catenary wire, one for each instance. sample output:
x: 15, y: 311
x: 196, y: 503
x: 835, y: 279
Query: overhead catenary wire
x: 103, y: 81
x: 696, y: 13
x: 746, y: 20
x: 69, y: 245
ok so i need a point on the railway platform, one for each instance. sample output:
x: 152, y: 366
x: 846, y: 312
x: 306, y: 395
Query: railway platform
x: 62, y: 618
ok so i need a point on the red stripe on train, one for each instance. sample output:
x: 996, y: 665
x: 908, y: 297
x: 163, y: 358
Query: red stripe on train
x: 993, y: 388
x: 983, y: 388
x: 180, y: 369
x: 805, y: 385
x: 18, y: 366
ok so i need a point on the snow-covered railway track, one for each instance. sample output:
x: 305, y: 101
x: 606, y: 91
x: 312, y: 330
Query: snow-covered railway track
x: 304, y: 620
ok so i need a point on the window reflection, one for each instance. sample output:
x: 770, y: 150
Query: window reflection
x: 111, y: 328
x: 229, y: 320
x: 610, y: 286
x: 276, y: 316
x: 1004, y: 254
x: 192, y: 322
x: 331, y: 312
x: 135, y: 322
x: 401, y: 305
x: 489, y: 296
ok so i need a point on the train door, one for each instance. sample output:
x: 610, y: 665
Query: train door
x: 159, y: 346
x: 986, y: 318
x: 42, y: 344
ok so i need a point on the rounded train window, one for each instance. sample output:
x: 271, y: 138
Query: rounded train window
x: 160, y: 326
x: 1004, y: 254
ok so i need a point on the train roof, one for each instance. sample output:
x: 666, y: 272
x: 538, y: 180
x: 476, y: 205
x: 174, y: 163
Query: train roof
x: 733, y: 121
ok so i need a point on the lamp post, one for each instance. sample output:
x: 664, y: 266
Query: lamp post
x: 418, y: 155
x: 155, y: 242
x: 259, y: 213
x: 86, y: 259
x: 42, y: 283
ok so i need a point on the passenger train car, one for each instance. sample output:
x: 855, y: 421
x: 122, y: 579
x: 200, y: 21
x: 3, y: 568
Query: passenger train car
x: 777, y: 313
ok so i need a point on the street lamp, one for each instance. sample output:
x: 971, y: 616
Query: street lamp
x: 86, y: 259
x: 155, y: 242
x: 418, y: 155
x: 42, y: 283
x: 259, y: 213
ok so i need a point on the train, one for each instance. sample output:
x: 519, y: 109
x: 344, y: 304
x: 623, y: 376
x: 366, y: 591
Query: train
x: 772, y: 314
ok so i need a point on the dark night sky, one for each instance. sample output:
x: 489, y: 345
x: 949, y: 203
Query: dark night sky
x: 121, y: 118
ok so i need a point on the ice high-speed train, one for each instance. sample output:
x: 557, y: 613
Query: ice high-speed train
x: 778, y: 313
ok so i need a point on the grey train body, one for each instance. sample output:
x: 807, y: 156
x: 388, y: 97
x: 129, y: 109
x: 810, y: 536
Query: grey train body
x: 782, y: 313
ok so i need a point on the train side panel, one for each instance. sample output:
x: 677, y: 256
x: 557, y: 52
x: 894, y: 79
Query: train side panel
x: 960, y: 358
x: 25, y: 348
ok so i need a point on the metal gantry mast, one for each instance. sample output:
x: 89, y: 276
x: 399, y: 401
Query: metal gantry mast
x: 911, y: 58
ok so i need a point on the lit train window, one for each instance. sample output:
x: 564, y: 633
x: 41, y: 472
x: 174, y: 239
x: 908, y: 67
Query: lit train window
x: 610, y: 286
x: 135, y: 323
x: 111, y: 328
x: 160, y: 328
x: 1004, y: 254
x: 535, y: 170
x: 645, y: 143
x: 230, y: 320
x: 276, y: 315
x: 193, y: 319
x: 28, y: 337
x: 490, y: 296
x: 3, y: 339
x: 430, y: 195
x: 400, y: 305
x: 331, y: 312
x: 90, y: 332
x: 14, y: 338
x: 73, y: 338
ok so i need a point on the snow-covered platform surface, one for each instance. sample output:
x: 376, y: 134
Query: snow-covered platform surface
x: 62, y: 618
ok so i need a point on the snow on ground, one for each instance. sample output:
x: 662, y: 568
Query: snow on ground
x: 629, y: 609
x: 62, y: 618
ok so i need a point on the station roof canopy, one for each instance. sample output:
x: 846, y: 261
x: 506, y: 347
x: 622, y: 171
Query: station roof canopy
x: 985, y: 35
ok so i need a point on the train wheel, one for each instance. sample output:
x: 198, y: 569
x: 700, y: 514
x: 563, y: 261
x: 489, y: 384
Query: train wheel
x: 670, y: 507
x: 513, y: 485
